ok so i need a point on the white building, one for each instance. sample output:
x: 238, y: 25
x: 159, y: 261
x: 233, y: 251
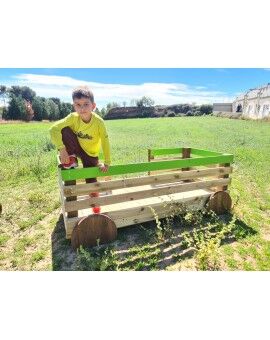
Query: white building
x: 255, y: 103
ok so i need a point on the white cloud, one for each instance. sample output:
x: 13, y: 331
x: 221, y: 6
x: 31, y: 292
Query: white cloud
x: 161, y: 93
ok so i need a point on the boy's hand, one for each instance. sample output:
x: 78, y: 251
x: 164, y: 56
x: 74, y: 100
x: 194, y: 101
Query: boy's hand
x: 64, y: 157
x: 103, y: 167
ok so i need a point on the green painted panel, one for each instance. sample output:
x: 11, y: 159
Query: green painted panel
x: 143, y: 167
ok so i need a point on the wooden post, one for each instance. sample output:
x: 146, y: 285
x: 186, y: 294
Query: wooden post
x: 71, y: 198
x: 149, y: 159
x: 224, y: 187
x: 186, y: 154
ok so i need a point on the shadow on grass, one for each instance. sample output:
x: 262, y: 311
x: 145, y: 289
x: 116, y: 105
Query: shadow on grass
x: 142, y: 246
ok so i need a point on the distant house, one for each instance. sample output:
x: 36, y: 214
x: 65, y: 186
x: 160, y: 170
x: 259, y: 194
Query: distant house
x: 255, y: 103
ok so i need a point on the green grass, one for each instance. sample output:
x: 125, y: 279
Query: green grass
x: 32, y: 235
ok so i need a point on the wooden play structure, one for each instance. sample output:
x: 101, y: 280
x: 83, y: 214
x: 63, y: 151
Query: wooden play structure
x: 193, y: 177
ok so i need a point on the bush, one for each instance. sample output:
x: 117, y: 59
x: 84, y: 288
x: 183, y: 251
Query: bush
x: 206, y: 109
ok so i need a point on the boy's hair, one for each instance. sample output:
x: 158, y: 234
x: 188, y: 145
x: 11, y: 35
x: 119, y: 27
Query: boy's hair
x: 82, y: 92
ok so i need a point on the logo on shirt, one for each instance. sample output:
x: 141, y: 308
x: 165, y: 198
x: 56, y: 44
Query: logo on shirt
x: 83, y: 135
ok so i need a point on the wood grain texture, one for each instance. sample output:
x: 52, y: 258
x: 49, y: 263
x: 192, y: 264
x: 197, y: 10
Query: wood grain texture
x: 105, y: 186
x: 220, y: 202
x: 93, y: 230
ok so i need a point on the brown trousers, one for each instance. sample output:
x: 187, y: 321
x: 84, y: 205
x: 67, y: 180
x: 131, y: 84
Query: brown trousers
x: 72, y: 145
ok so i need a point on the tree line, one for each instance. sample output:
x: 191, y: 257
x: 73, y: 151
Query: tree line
x: 22, y: 103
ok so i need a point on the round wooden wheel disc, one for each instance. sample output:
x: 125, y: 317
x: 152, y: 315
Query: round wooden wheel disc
x: 220, y: 202
x: 93, y: 230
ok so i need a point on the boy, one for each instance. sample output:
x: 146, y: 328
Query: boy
x: 81, y: 134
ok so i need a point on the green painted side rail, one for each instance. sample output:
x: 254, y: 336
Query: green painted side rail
x: 199, y: 152
x: 82, y: 173
x: 177, y: 151
x: 160, y: 152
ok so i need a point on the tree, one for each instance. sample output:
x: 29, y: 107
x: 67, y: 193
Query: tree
x: 5, y: 113
x: 52, y: 109
x: 38, y: 107
x: 15, y: 90
x: 65, y: 109
x: 57, y: 101
x: 206, y: 109
x: 24, y: 91
x: 112, y: 105
x: 103, y: 112
x: 3, y: 93
x: 16, y: 109
x: 145, y: 102
x: 27, y: 93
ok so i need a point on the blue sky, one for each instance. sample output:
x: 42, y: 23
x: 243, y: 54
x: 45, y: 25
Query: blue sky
x: 164, y: 85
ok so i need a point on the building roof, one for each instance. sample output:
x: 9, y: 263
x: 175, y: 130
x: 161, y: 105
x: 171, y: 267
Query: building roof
x: 261, y: 91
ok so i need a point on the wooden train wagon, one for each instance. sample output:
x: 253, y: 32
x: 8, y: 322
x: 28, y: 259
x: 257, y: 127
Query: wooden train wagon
x: 188, y: 176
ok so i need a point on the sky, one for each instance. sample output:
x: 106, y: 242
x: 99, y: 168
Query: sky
x: 164, y: 85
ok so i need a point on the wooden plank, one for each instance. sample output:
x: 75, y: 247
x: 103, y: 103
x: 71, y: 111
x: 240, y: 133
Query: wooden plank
x: 195, y: 204
x: 139, y: 211
x: 158, y: 172
x: 144, y: 193
x: 81, y: 189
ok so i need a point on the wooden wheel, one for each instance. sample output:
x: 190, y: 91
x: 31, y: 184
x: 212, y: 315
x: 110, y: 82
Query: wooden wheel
x: 220, y: 202
x: 93, y: 230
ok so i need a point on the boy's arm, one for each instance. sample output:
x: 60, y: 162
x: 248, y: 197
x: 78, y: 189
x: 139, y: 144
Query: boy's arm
x: 55, y: 130
x: 105, y: 143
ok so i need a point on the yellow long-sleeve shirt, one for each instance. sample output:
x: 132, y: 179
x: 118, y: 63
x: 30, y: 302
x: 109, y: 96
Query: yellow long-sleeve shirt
x: 90, y: 135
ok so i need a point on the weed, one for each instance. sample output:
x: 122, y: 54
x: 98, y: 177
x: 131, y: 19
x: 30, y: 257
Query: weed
x: 3, y: 239
x: 206, y: 242
x: 232, y: 263
x: 164, y: 228
x: 36, y: 198
x: 22, y: 244
x: 47, y: 145
x: 38, y: 255
x: 36, y: 168
x: 96, y: 259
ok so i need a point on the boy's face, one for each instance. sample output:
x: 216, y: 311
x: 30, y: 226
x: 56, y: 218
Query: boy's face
x: 84, y: 107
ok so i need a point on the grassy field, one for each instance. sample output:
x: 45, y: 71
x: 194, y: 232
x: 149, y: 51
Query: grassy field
x: 31, y: 225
